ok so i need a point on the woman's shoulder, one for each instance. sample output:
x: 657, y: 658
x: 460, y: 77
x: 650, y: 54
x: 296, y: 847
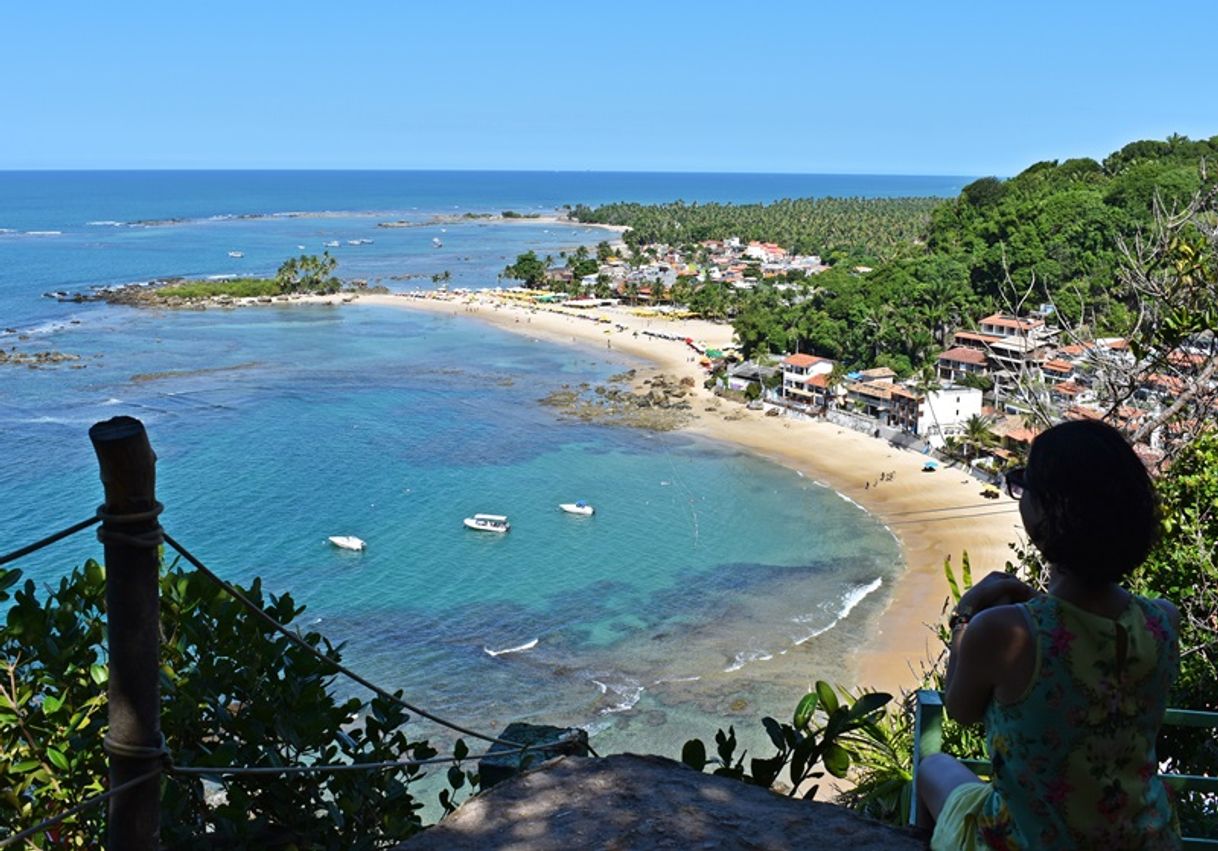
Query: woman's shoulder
x: 1159, y: 607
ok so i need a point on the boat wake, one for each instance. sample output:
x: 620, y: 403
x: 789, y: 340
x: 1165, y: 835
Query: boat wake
x: 520, y: 648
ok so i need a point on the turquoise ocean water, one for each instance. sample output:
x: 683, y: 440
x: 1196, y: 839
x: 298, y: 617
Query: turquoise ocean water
x: 710, y: 586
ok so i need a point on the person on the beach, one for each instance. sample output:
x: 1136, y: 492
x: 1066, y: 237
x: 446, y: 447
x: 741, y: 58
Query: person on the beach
x: 1072, y: 684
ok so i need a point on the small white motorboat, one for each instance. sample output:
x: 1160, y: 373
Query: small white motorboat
x: 347, y: 542
x: 333, y: 243
x: 436, y: 243
x: 579, y: 507
x: 488, y: 523
x: 237, y: 254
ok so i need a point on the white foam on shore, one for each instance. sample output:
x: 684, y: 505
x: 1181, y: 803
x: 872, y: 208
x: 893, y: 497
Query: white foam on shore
x: 747, y: 656
x: 44, y: 233
x: 110, y: 223
x: 849, y: 601
x: 663, y: 680
x: 520, y: 648
x: 628, y: 695
x: 852, y: 502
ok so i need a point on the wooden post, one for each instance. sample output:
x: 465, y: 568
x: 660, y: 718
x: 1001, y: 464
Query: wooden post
x: 128, y: 475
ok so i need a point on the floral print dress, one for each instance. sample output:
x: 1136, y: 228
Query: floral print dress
x: 1074, y: 757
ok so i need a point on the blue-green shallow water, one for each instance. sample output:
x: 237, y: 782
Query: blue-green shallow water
x: 680, y: 606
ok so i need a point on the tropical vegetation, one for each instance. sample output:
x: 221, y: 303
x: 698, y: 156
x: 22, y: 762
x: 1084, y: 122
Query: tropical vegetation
x: 226, y: 678
x: 838, y: 229
x: 307, y: 273
x: 1052, y: 234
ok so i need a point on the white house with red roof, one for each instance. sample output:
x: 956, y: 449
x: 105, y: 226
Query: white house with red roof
x: 805, y: 379
x: 1005, y: 325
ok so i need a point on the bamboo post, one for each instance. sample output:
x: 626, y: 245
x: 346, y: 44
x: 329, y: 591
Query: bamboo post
x: 130, y: 534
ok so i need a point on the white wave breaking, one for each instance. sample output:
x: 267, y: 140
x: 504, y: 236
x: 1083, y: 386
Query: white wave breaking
x: 849, y: 601
x: 745, y: 657
x: 520, y: 648
x: 852, y: 502
x: 663, y: 680
x: 626, y: 695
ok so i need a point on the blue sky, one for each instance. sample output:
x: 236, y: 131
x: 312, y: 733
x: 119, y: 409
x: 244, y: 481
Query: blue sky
x: 860, y: 87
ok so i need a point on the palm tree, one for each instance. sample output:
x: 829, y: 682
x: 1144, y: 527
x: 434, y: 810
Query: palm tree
x: 977, y: 434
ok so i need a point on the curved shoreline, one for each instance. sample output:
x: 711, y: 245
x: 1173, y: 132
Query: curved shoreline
x: 931, y: 515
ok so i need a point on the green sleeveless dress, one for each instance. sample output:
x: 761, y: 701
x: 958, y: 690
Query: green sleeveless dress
x: 1074, y: 758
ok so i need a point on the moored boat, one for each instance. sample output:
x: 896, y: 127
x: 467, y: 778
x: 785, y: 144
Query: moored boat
x: 347, y: 542
x: 579, y: 507
x: 488, y: 523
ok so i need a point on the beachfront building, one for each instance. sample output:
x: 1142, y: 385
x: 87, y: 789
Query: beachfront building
x: 805, y: 380
x: 933, y: 416
x: 958, y: 362
x: 740, y: 376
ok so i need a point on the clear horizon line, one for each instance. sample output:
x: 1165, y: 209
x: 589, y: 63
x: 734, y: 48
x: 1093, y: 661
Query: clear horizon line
x: 64, y: 169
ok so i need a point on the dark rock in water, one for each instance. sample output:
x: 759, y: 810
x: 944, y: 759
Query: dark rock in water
x: 551, y: 742
x: 647, y: 802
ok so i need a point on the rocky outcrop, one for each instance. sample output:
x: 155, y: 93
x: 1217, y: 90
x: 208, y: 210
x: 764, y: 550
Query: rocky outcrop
x: 647, y: 802
x: 659, y: 403
x: 35, y: 360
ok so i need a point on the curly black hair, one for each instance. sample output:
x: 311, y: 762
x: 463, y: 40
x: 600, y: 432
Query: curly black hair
x: 1098, y: 514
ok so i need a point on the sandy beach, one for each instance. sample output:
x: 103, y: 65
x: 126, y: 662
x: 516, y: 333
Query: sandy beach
x: 933, y: 515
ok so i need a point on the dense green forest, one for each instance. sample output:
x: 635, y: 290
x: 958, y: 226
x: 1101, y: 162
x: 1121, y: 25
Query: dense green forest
x: 838, y: 229
x: 1055, y: 228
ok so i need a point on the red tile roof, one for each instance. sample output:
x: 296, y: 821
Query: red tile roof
x: 1004, y: 321
x: 1058, y: 366
x: 804, y: 360
x: 962, y: 354
x: 975, y: 336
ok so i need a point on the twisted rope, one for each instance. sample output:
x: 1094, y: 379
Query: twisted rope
x: 47, y: 541
x: 83, y: 805
x: 258, y: 612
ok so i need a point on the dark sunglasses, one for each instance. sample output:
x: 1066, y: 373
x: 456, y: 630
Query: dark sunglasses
x: 1017, y: 483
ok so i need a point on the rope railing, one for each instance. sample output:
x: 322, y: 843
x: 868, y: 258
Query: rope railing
x: 50, y: 539
x: 260, y: 770
x: 148, y: 537
x: 154, y: 538
x: 334, y: 768
x: 79, y: 808
x: 383, y: 693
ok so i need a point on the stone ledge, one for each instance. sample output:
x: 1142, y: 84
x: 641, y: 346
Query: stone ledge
x: 629, y: 801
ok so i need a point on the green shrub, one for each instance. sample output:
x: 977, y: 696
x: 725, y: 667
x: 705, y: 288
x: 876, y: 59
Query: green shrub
x: 226, y: 682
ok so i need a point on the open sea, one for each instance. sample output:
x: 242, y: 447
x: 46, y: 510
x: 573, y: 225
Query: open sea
x: 710, y: 587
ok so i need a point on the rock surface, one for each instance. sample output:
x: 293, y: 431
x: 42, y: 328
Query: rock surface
x: 646, y: 802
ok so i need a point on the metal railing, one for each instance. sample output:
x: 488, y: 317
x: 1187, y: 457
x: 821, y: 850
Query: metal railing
x: 928, y: 739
